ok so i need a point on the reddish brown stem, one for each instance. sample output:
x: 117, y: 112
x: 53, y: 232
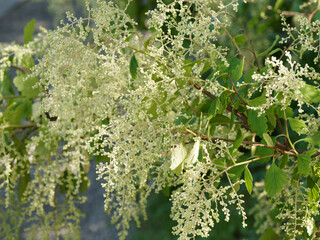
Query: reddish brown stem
x: 240, y: 115
x: 22, y: 69
x: 285, y: 141
x: 235, y: 90
x: 247, y: 35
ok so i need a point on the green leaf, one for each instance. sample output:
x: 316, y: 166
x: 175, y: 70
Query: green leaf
x: 166, y: 191
x: 6, y: 87
x: 239, y: 39
x: 264, y: 151
x: 36, y: 110
x: 304, y: 164
x: 85, y: 183
x: 270, y: 48
x: 296, y: 124
x: 258, y: 101
x: 269, y: 234
x: 232, y: 120
x: 248, y: 76
x: 268, y: 139
x: 239, y: 139
x: 271, y: 117
x: 277, y: 5
x: 236, y: 172
x: 151, y: 107
x: 214, y: 106
x: 274, y: 51
x: 235, y: 68
x: 23, y: 184
x: 26, y: 85
x: 15, y: 112
x: 283, y: 161
x: 27, y: 61
x: 314, y: 139
x: 147, y: 42
x: 41, y: 149
x: 314, y: 193
x: 279, y: 112
x: 258, y: 123
x: 99, y: 158
x: 248, y: 180
x: 133, y: 67
x: 28, y: 31
x: 276, y: 179
x: 311, y: 93
x: 220, y: 119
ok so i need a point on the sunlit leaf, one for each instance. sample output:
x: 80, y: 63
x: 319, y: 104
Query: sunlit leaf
x: 258, y: 123
x: 248, y: 179
x: 28, y: 31
x: 276, y: 179
x: 297, y: 124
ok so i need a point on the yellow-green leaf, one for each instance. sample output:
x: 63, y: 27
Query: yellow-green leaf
x: 269, y: 234
x: 283, y: 161
x: 296, y: 124
x: 28, y: 31
x: 304, y: 161
x: 133, y: 67
x: 239, y: 39
x: 258, y: 123
x: 26, y: 85
x: 314, y: 139
x: 268, y: 139
x: 311, y: 93
x: 248, y: 179
x: 276, y: 179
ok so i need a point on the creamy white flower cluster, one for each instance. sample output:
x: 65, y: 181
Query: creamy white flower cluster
x: 282, y: 84
x: 304, y: 37
x: 120, y: 97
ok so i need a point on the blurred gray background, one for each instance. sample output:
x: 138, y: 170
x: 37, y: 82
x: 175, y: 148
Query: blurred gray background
x: 14, y: 15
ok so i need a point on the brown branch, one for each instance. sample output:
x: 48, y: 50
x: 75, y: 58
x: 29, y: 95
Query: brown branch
x: 240, y: 115
x: 22, y: 69
x: 281, y: 129
x: 291, y: 13
x: 232, y: 39
x: 235, y: 90
x: 279, y: 147
x: 312, y: 14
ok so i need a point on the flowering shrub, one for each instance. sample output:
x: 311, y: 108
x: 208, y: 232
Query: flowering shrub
x: 181, y: 108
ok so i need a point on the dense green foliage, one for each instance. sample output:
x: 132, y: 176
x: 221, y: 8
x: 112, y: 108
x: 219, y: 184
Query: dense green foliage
x: 212, y: 103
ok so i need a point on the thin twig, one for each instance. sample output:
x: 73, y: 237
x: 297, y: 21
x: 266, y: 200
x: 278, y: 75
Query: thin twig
x: 235, y: 89
x: 231, y: 38
x: 229, y: 108
x: 22, y: 69
x: 247, y: 35
x: 285, y: 141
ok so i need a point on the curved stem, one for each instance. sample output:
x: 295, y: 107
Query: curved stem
x: 287, y: 132
x: 231, y: 38
x: 236, y: 92
x: 22, y: 69
x: 247, y: 35
x: 229, y: 108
